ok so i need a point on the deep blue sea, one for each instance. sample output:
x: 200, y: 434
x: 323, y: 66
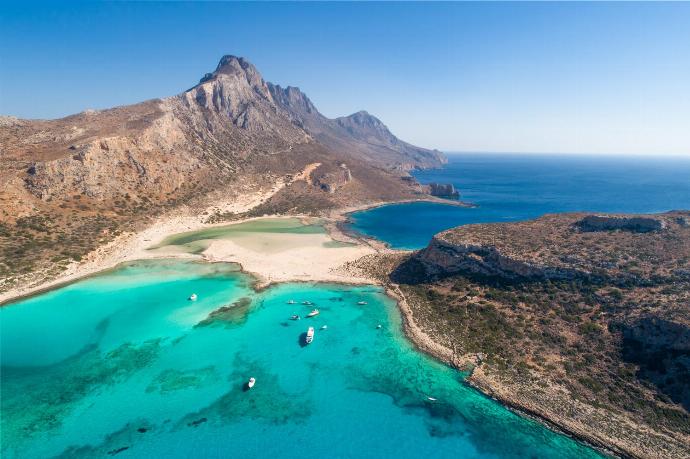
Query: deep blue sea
x: 510, y: 187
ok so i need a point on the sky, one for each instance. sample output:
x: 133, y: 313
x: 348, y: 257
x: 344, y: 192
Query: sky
x: 500, y: 77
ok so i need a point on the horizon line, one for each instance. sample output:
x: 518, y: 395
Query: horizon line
x: 566, y: 153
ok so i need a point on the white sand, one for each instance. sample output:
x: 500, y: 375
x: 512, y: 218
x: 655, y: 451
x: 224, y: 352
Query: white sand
x: 306, y: 260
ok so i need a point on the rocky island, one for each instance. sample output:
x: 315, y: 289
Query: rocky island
x: 582, y: 320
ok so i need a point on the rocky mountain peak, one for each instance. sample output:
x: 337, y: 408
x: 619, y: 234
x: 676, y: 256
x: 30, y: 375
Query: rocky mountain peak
x: 236, y: 90
x: 233, y: 65
x: 233, y: 71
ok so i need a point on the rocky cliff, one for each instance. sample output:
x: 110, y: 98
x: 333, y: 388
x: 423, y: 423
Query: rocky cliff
x: 614, y: 223
x: 442, y: 190
x: 631, y: 250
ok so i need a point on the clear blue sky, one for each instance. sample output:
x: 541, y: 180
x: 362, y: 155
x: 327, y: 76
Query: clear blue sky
x: 541, y: 77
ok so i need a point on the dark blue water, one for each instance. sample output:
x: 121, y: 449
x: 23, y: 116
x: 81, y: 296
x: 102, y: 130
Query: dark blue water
x: 520, y: 187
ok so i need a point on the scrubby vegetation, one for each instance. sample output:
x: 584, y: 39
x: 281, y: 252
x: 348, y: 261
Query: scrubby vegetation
x: 588, y: 330
x: 564, y: 331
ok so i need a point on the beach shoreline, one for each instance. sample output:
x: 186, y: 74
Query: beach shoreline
x: 135, y: 245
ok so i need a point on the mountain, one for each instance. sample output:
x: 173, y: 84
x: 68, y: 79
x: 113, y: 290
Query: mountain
x: 362, y: 134
x: 580, y: 319
x: 82, y: 179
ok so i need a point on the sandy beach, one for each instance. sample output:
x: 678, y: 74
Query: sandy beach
x: 312, y: 257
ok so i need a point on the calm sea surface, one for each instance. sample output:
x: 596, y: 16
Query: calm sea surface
x: 123, y: 365
x: 519, y: 187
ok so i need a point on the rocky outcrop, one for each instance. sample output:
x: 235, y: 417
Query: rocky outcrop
x: 636, y: 224
x: 442, y: 259
x: 442, y: 190
x: 555, y: 247
x: 333, y: 180
x: 235, y: 91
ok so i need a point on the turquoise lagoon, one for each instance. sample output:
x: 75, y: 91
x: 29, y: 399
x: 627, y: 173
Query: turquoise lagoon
x: 122, y: 364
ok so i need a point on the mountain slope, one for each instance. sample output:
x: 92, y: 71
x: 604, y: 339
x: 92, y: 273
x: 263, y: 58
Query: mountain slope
x: 69, y: 185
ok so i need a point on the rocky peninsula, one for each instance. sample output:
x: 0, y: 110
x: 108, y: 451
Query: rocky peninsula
x: 582, y: 324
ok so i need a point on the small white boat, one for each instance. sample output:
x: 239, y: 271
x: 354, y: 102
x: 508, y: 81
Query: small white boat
x: 325, y: 327
x: 378, y: 326
x: 361, y: 303
x: 307, y: 302
x: 251, y: 382
x: 310, y: 335
x: 192, y: 297
x: 431, y: 398
x: 291, y: 302
x: 314, y: 312
x: 294, y: 317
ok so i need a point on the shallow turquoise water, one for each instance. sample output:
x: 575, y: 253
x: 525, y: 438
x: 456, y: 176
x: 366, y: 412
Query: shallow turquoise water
x: 123, y: 364
x: 519, y: 187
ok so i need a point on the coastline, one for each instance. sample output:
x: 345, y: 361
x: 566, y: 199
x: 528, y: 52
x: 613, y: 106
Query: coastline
x: 134, y: 246
x: 424, y: 343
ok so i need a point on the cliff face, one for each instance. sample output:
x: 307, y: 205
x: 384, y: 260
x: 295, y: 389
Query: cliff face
x: 612, y: 223
x: 441, y: 259
x: 443, y: 190
x: 629, y: 249
x: 582, y: 319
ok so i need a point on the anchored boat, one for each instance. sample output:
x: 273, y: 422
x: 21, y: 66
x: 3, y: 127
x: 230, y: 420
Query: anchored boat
x: 192, y: 297
x: 251, y: 382
x: 314, y: 312
x: 310, y: 335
